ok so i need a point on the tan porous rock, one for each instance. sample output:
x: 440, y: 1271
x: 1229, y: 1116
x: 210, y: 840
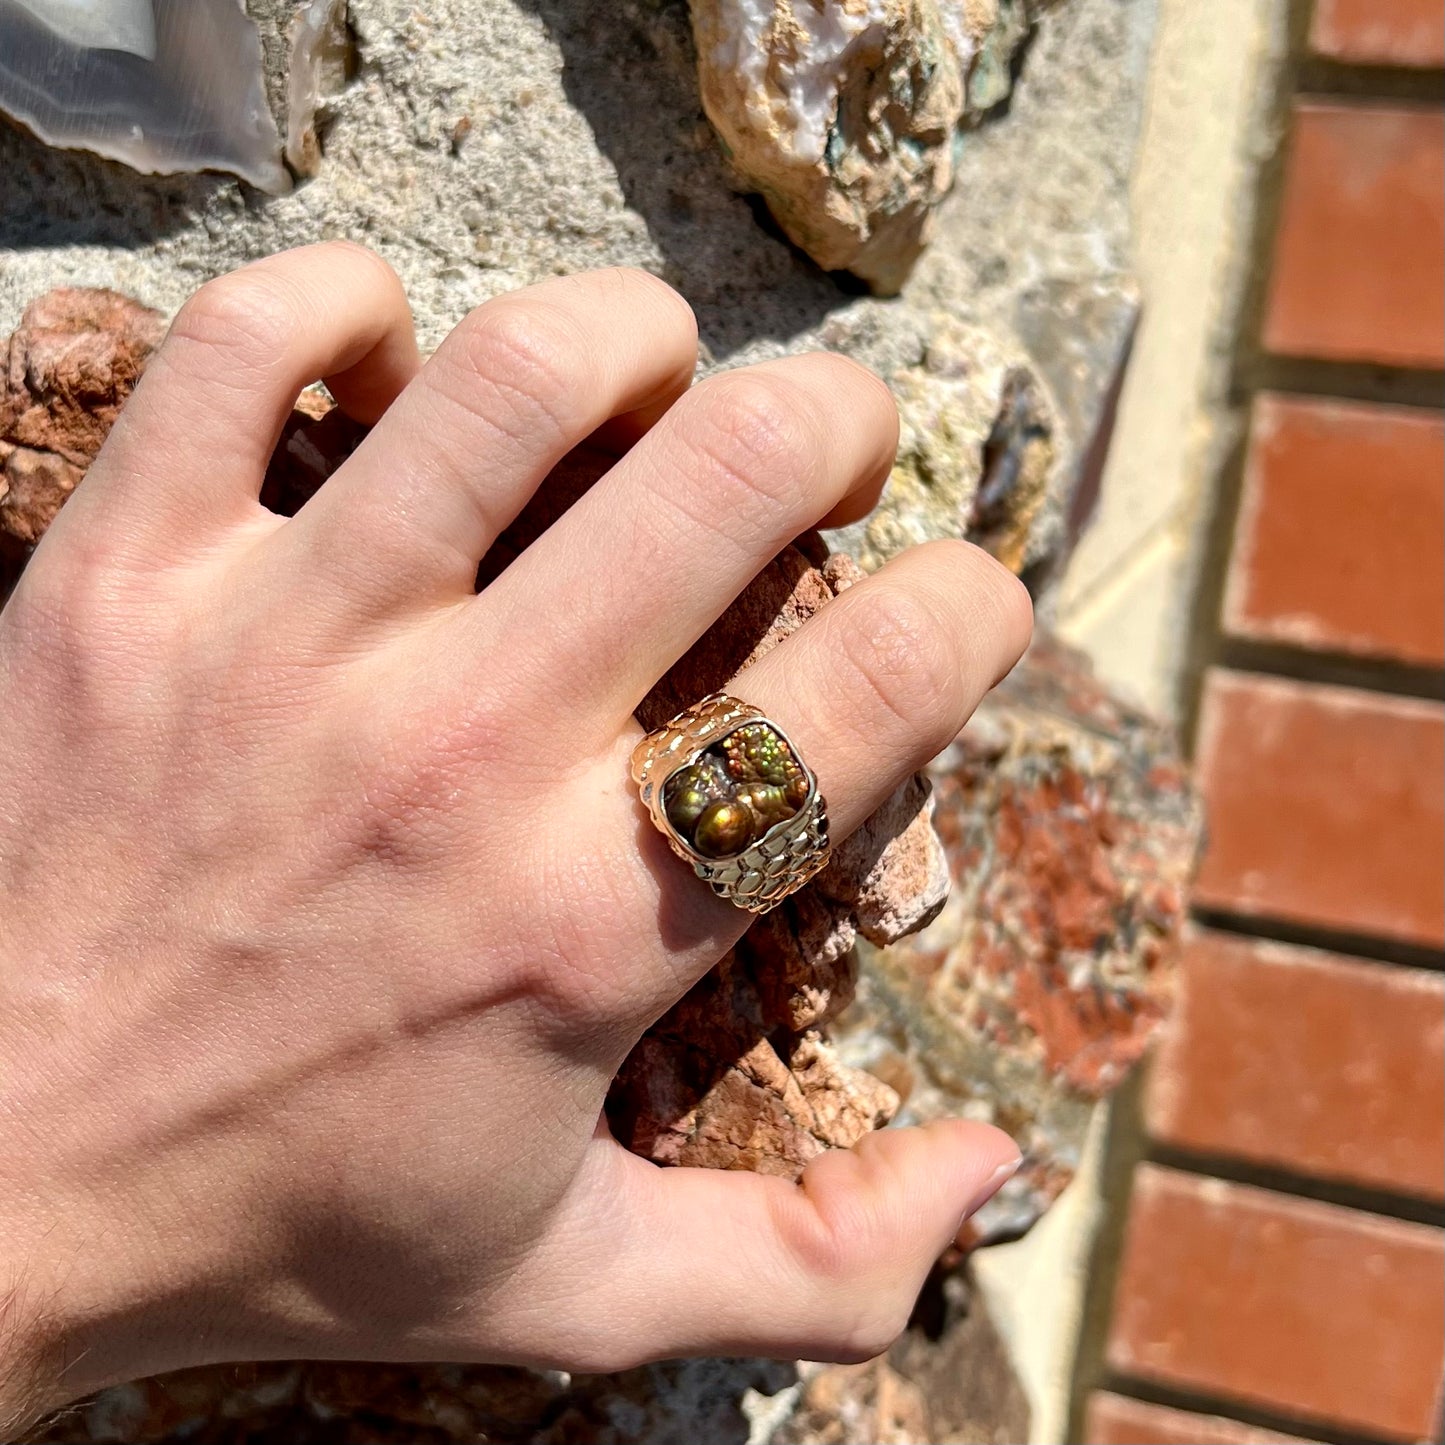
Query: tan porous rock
x: 842, y: 115
x: 976, y: 451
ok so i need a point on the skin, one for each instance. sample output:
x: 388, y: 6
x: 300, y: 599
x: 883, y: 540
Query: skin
x: 311, y: 982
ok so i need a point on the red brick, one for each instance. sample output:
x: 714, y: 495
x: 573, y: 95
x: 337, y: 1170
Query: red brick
x: 1380, y: 32
x: 1324, y: 806
x: 1306, y: 1061
x: 1338, y: 544
x: 1307, y: 1309
x: 1359, y: 258
x: 1118, y: 1420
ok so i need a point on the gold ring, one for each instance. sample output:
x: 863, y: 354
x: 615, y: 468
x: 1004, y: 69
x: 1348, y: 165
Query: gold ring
x: 730, y: 793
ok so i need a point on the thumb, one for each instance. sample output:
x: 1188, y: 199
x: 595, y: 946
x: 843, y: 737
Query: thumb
x: 825, y: 1269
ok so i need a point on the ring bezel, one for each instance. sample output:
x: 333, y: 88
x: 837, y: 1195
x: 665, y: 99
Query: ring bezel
x: 713, y: 739
x: 771, y: 868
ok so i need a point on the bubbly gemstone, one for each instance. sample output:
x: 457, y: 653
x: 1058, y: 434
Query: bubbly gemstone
x: 740, y: 787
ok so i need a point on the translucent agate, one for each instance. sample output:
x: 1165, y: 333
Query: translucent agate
x: 127, y: 25
x: 80, y: 74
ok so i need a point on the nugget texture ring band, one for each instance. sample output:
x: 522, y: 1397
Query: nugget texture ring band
x: 732, y: 797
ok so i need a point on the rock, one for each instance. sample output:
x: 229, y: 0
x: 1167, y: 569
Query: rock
x: 483, y: 147
x: 33, y: 488
x: 892, y: 874
x: 976, y: 454
x: 842, y: 115
x: 319, y: 1403
x: 70, y: 366
x: 844, y: 1403
x: 949, y: 1378
x: 316, y: 438
x: 1078, y: 336
x: 1071, y: 833
x: 989, y: 34
x: 74, y: 359
x: 165, y: 85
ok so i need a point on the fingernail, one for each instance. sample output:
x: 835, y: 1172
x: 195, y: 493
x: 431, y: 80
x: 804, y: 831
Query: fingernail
x: 991, y: 1186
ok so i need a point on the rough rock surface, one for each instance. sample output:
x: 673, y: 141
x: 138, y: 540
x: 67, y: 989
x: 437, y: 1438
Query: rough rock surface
x: 168, y: 85
x: 842, y: 116
x: 72, y: 362
x: 1071, y: 832
x: 482, y: 147
x: 366, y: 1404
x: 947, y: 1379
x: 975, y: 452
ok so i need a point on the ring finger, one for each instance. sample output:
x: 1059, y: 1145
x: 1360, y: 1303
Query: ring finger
x: 869, y: 689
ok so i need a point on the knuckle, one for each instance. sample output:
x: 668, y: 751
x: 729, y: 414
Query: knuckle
x: 76, y: 589
x: 758, y: 435
x: 525, y: 352
x: 85, y: 645
x: 897, y: 648
x: 868, y: 1331
x: 363, y: 258
x: 854, y: 378
x: 865, y: 1306
x: 247, y: 317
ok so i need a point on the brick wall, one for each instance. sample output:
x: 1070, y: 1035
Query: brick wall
x: 1281, y: 1272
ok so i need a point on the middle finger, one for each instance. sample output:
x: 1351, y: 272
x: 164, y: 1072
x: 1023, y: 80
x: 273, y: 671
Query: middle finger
x: 643, y: 564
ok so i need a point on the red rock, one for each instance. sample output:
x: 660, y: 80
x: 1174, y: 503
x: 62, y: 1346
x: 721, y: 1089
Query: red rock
x: 1071, y: 833
x: 69, y: 366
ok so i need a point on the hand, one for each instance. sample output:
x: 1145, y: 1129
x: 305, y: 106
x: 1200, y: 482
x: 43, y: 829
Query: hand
x: 330, y: 910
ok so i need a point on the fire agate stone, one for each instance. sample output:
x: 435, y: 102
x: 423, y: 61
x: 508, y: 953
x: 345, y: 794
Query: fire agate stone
x: 744, y: 784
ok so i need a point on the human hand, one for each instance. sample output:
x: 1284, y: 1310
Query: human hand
x: 330, y: 911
